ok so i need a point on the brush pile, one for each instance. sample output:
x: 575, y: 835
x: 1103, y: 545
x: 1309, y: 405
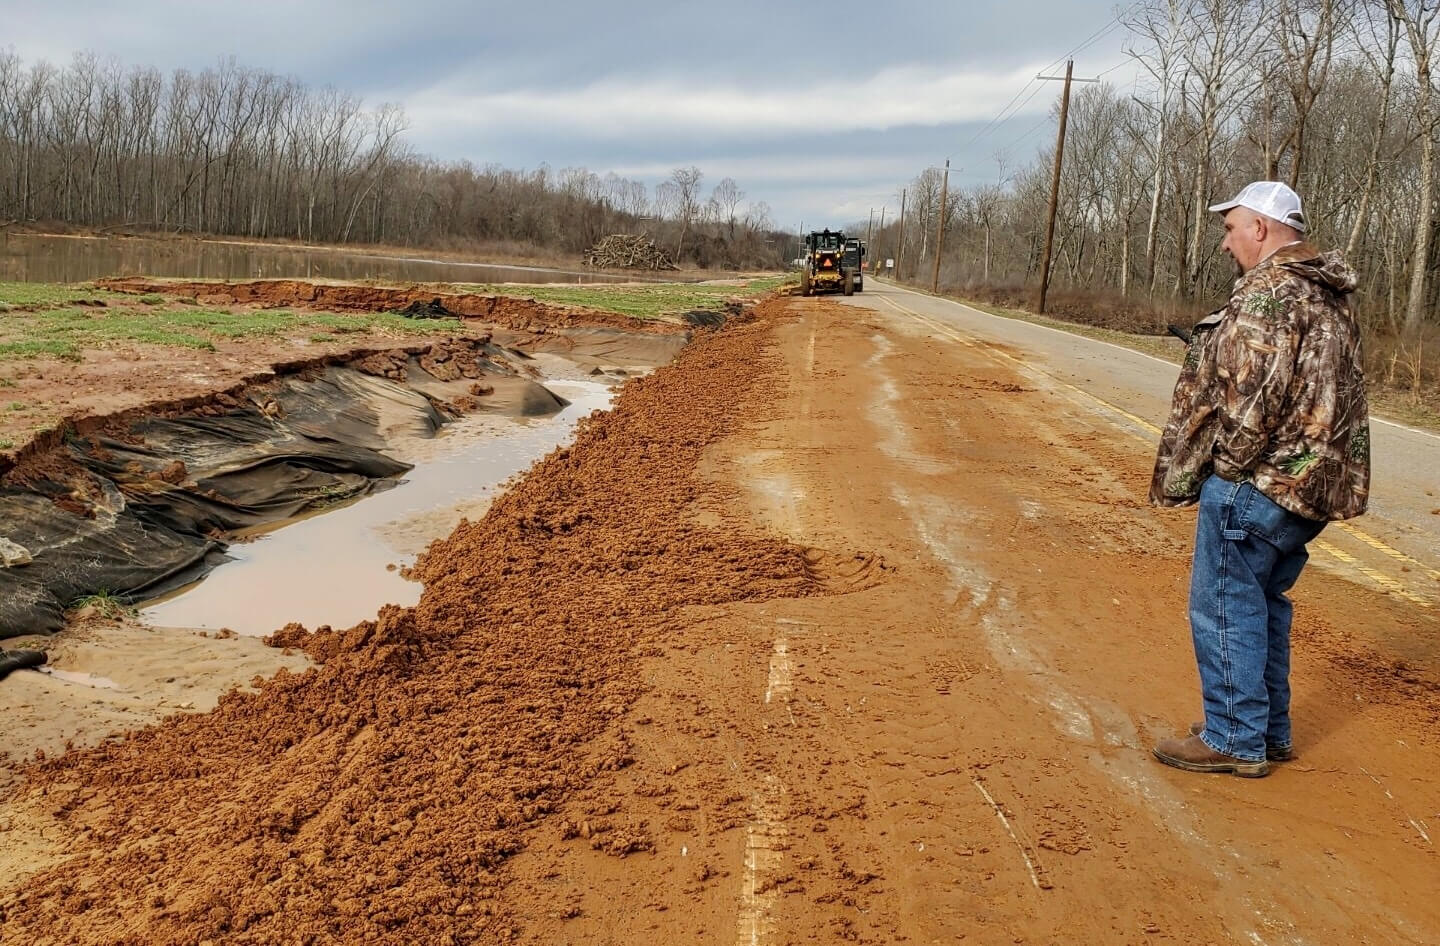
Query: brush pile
x: 624, y: 251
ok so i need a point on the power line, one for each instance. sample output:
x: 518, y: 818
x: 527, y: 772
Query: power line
x: 1094, y: 37
x: 1006, y: 113
x: 1000, y: 119
x: 1034, y: 128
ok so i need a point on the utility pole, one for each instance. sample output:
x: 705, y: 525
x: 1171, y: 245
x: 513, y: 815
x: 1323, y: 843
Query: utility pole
x: 940, y: 226
x: 900, y: 253
x: 878, y: 232
x: 1055, y: 179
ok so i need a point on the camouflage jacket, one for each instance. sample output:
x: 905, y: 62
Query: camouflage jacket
x: 1273, y: 391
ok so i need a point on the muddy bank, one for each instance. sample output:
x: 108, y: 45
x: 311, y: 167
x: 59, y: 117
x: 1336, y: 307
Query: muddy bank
x: 379, y: 796
x: 93, y: 352
x: 135, y: 504
x: 506, y: 311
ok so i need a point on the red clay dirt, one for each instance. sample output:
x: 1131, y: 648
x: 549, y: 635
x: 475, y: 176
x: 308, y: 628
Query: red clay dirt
x: 347, y: 297
x: 381, y: 795
x: 639, y: 704
x: 44, y: 394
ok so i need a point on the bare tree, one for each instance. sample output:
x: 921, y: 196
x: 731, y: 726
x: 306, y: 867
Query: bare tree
x: 686, y: 183
x: 1384, y: 64
x: 727, y: 197
x: 1419, y: 19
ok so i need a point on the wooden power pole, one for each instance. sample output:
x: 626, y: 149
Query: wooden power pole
x: 1055, y: 180
x: 879, y: 234
x: 1055, y: 189
x: 940, y: 225
x: 900, y: 252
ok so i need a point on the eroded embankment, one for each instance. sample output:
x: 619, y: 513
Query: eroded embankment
x: 377, y: 797
x: 508, y: 311
x: 136, y: 503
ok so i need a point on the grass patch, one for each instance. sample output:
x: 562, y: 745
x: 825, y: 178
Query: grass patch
x: 152, y: 299
x: 104, y: 604
x: 641, y: 301
x: 6, y: 443
x: 39, y: 293
x: 17, y: 406
x: 39, y: 347
x: 321, y: 338
x: 64, y: 332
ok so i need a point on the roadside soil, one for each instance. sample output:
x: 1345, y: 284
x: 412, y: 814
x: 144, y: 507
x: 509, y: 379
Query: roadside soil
x: 836, y: 630
x: 38, y: 393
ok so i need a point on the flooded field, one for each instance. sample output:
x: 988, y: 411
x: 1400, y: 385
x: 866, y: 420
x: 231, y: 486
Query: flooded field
x: 66, y: 259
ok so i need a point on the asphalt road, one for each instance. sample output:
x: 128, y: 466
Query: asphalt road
x: 1395, y: 547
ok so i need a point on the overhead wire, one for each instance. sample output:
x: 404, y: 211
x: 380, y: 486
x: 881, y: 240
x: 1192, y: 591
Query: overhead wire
x: 1007, y: 112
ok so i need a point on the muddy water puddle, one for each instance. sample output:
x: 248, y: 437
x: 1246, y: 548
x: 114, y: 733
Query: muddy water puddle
x: 340, y: 566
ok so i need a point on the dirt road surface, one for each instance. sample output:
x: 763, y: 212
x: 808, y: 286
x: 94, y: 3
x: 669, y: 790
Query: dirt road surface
x: 851, y: 626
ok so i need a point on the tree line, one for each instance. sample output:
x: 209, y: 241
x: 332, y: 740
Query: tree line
x: 1335, y: 97
x: 245, y: 152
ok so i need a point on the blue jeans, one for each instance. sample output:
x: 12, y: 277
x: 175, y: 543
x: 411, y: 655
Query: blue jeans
x: 1248, y: 553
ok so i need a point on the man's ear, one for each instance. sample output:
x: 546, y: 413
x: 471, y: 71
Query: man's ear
x: 1262, y: 229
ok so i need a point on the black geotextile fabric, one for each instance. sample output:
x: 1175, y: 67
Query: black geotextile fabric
x: 134, y: 523
x: 12, y: 660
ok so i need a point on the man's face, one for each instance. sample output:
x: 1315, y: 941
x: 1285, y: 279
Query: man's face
x: 1244, y: 235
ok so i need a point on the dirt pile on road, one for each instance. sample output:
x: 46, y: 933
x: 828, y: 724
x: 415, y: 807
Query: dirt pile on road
x: 377, y: 797
x: 508, y: 311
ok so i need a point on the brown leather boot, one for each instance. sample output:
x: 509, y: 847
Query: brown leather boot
x: 1192, y: 755
x: 1272, y: 753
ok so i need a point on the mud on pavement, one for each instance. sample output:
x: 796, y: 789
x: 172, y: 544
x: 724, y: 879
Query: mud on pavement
x: 957, y: 749
x: 380, y: 795
x: 837, y: 630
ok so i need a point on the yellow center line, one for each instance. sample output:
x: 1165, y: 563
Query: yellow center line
x: 1385, y: 581
x: 1381, y: 579
x: 955, y: 335
x: 1380, y: 546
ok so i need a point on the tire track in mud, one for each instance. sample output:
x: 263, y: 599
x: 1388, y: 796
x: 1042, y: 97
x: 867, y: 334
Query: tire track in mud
x: 955, y: 540
x: 1141, y: 430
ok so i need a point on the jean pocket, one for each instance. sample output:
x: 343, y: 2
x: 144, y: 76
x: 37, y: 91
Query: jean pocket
x: 1260, y: 516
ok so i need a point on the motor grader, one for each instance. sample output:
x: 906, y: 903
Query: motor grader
x: 826, y: 266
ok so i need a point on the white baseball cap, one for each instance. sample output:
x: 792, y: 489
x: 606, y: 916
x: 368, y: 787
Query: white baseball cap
x: 1272, y: 199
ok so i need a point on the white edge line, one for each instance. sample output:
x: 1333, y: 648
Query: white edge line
x: 1095, y: 341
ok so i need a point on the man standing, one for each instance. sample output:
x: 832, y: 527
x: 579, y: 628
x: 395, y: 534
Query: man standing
x: 1269, y: 433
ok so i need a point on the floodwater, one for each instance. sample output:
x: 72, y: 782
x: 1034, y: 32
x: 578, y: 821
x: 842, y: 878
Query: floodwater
x: 64, y: 259
x: 340, y: 566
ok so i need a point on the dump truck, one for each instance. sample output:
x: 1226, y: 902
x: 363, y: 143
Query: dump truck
x: 854, y: 261
x: 825, y: 269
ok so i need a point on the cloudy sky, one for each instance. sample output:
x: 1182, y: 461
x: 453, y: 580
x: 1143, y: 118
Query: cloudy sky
x: 823, y: 110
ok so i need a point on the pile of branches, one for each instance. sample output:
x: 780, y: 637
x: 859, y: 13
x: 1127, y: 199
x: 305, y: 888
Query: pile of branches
x: 623, y: 251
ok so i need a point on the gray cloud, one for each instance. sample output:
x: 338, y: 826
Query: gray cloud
x: 816, y: 109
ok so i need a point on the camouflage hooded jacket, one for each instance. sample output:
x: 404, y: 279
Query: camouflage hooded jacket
x: 1273, y: 391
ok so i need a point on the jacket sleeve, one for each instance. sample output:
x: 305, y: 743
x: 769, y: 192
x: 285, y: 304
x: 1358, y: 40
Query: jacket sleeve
x: 1256, y: 362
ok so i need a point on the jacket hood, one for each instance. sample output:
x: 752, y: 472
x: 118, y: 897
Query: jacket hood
x: 1327, y: 269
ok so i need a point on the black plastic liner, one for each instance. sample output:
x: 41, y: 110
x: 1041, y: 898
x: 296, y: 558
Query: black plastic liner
x: 146, y: 509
